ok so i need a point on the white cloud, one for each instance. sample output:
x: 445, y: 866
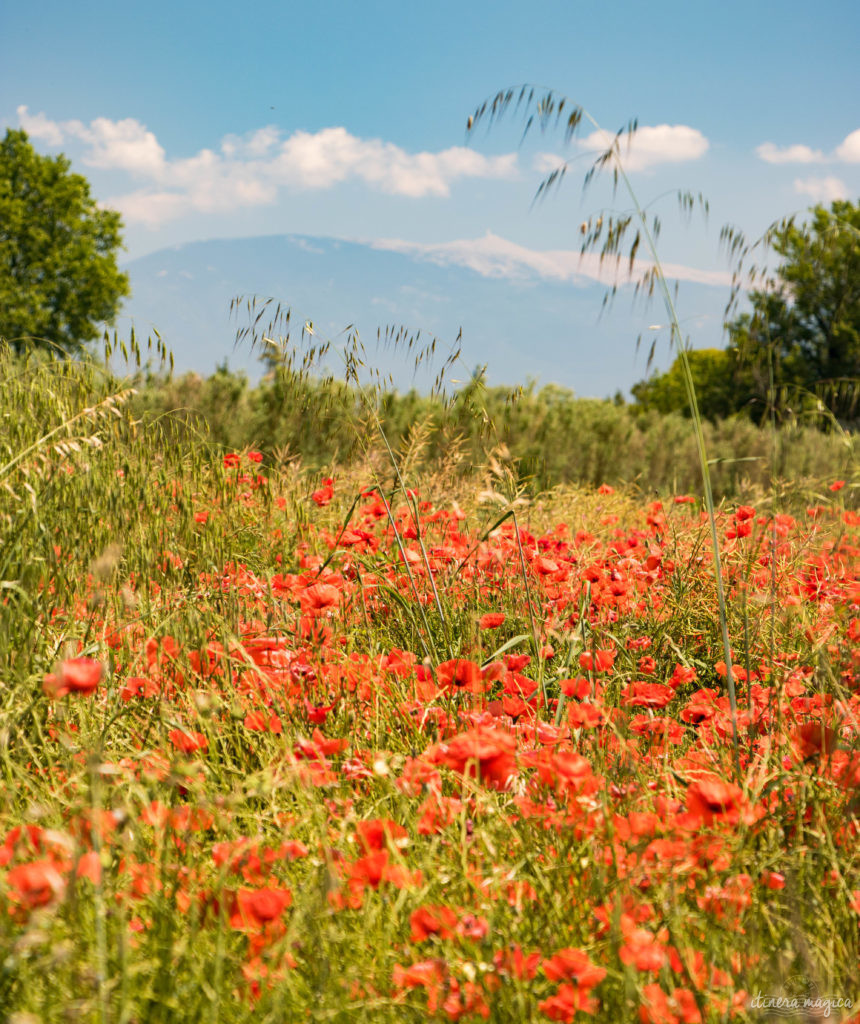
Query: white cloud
x: 38, y: 126
x: 148, y: 207
x: 796, y: 154
x: 492, y: 256
x: 849, y: 149
x: 546, y: 163
x: 651, y: 145
x: 250, y: 170
x: 821, y: 190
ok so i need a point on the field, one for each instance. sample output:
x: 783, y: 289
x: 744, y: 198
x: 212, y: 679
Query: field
x: 281, y: 746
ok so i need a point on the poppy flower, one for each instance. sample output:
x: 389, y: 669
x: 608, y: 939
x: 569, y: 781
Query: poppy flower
x: 599, y: 661
x: 483, y: 751
x: 35, y: 884
x: 460, y: 673
x: 814, y: 738
x: 187, y: 742
x: 319, y: 597
x: 568, y: 1001
x: 492, y: 620
x: 573, y: 965
x: 75, y: 675
x: 256, y: 907
x: 432, y: 920
x: 325, y: 493
x: 711, y: 799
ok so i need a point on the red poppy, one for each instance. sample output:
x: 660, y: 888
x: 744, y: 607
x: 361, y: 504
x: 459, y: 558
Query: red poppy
x: 187, y: 742
x: 483, y: 751
x: 461, y: 674
x: 711, y: 799
x: 35, y: 884
x: 75, y: 675
x: 256, y: 907
x: 325, y: 493
x: 432, y: 920
x: 568, y: 1001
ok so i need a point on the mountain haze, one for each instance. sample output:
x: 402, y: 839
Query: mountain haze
x: 517, y: 320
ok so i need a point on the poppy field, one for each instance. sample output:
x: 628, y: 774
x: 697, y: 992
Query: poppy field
x: 279, y: 747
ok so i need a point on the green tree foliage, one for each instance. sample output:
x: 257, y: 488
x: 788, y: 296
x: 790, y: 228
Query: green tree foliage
x: 58, y: 273
x: 804, y: 327
x: 713, y: 371
x: 798, y: 346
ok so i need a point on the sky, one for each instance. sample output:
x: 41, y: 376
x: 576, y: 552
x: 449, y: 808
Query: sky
x: 346, y: 120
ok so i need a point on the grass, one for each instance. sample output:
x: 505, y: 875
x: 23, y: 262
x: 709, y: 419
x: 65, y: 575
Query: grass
x: 237, y: 786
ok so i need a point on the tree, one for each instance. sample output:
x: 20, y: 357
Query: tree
x: 713, y: 371
x: 58, y: 274
x: 803, y: 334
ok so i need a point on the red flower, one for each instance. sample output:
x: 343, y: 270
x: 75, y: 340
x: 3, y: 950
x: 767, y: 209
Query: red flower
x: 599, y: 661
x: 319, y: 597
x: 35, y: 884
x: 579, y: 687
x: 647, y: 695
x: 492, y: 620
x: 324, y: 495
x: 186, y: 742
x: 485, y: 752
x: 567, y: 1002
x: 712, y: 799
x: 462, y: 674
x: 76, y: 675
x: 378, y: 833
x: 256, y: 907
x: 573, y: 964
x: 430, y: 920
x: 815, y: 738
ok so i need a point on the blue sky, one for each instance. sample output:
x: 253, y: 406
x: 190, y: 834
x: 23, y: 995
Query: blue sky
x: 204, y: 120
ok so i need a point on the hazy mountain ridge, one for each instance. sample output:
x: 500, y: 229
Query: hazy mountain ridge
x: 521, y: 327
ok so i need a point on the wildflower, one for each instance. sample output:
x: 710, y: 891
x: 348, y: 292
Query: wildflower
x: 324, y: 494
x: 432, y: 920
x: 76, y: 675
x: 485, y: 752
x: 35, y: 884
x: 186, y: 742
x: 459, y: 673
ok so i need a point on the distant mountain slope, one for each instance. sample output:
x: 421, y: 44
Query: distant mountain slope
x: 521, y: 327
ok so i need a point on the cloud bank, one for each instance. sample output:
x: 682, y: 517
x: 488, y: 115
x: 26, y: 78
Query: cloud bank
x: 848, y: 151
x: 492, y: 256
x: 646, y: 148
x: 251, y: 170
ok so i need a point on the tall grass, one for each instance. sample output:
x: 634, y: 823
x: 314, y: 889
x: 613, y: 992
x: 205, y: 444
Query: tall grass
x: 552, y: 437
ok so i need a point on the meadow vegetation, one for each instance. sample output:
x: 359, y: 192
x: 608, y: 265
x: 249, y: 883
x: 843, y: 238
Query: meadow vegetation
x: 551, y: 436
x: 282, y: 744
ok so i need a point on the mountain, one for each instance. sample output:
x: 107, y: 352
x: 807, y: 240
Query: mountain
x: 517, y: 320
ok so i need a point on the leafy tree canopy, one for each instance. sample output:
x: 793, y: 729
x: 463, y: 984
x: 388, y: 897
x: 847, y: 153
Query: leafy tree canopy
x: 712, y: 370
x: 58, y: 274
x: 804, y: 327
x: 799, y: 345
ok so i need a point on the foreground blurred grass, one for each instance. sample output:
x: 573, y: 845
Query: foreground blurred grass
x: 552, y: 436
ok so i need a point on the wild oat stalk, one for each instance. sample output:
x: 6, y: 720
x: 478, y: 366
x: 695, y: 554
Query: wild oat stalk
x: 547, y: 109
